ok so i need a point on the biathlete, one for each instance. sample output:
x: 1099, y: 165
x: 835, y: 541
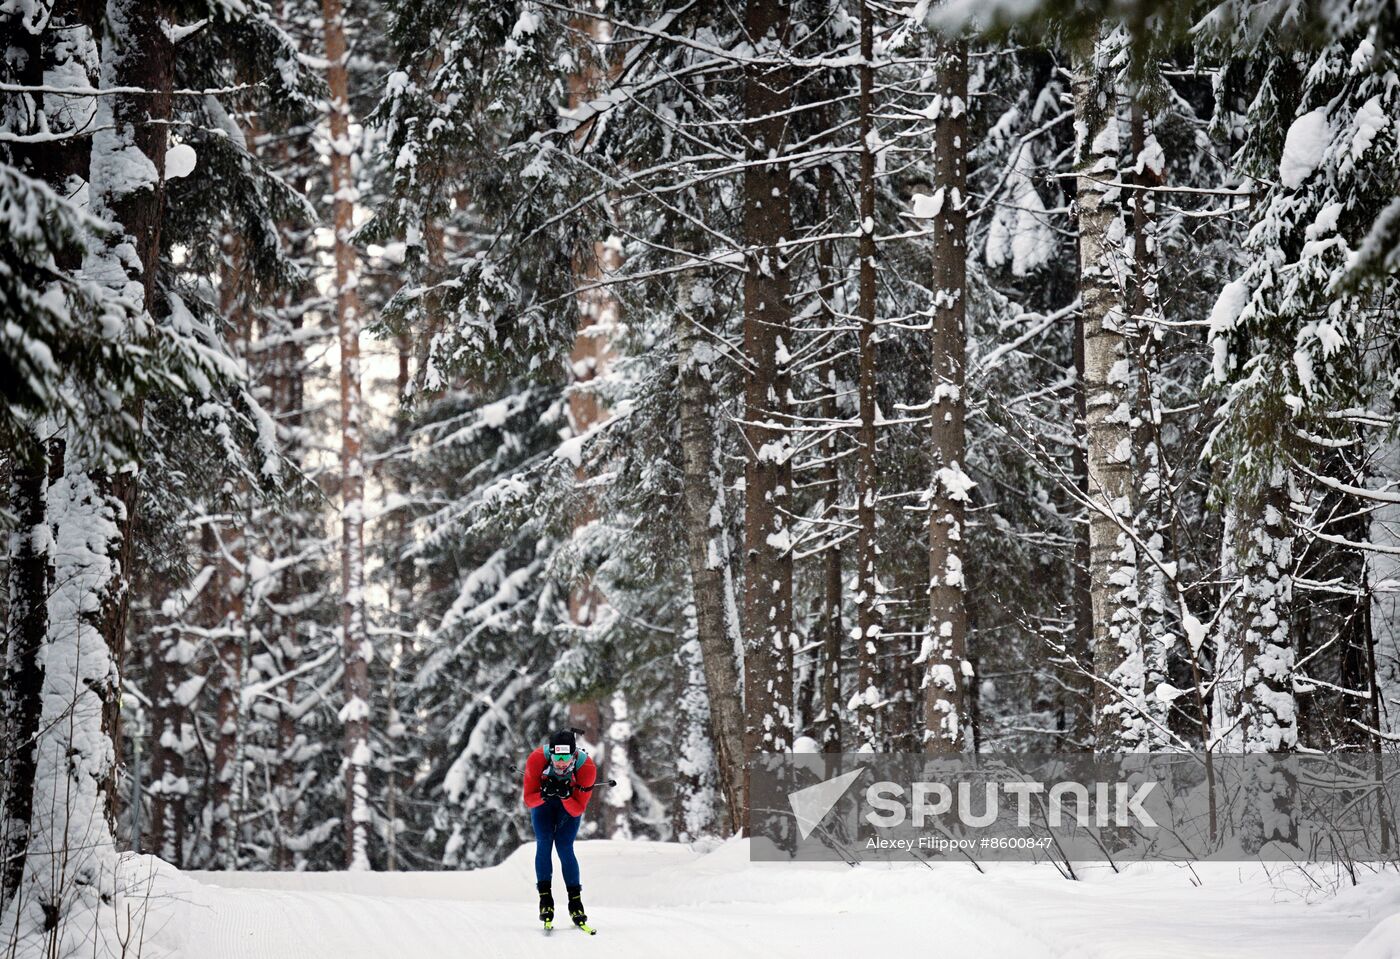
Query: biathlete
x: 559, y: 780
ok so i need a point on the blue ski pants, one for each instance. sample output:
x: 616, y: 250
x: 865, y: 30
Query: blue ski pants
x: 556, y: 829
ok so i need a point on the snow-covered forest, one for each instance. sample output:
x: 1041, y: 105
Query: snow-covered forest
x: 389, y: 382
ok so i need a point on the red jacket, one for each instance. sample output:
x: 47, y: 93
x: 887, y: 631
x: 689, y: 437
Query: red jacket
x: 585, y: 776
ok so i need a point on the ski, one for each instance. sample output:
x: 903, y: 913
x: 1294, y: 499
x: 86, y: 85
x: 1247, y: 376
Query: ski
x: 587, y: 928
x: 548, y: 926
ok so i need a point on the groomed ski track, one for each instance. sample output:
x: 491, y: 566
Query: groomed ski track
x: 649, y: 900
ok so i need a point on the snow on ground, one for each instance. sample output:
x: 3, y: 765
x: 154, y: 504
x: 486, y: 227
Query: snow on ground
x: 649, y: 899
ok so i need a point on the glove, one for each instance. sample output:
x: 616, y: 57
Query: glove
x: 556, y: 788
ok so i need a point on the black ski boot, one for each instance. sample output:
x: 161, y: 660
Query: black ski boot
x: 546, y: 902
x: 576, y: 912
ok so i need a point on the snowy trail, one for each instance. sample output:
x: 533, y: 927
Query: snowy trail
x: 259, y: 925
x: 645, y: 896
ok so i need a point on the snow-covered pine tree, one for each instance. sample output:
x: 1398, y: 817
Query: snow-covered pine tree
x: 871, y: 688
x: 163, y: 356
x: 1296, y: 336
x: 946, y: 646
x: 767, y: 222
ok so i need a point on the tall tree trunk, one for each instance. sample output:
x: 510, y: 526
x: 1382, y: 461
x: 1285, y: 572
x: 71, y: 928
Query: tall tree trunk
x: 872, y: 679
x: 168, y: 782
x: 767, y: 221
x: 1076, y: 694
x: 707, y: 544
x: 832, y: 632
x: 945, y: 651
x: 139, y: 53
x: 30, y: 581
x: 904, y: 730
x: 37, y: 461
x: 355, y: 646
x: 1268, y: 705
x: 694, y: 808
x: 30, y: 572
x: 1264, y: 545
x: 70, y: 866
x: 1151, y: 517
x: 69, y: 870
x: 1117, y: 654
x: 284, y: 782
x: 1076, y: 697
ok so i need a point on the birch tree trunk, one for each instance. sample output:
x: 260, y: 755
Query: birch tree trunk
x: 355, y: 646
x: 945, y: 650
x: 873, y: 693
x: 1117, y: 654
x: 767, y: 222
x: 708, y: 552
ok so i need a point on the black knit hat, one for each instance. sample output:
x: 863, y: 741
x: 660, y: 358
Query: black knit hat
x: 562, y: 741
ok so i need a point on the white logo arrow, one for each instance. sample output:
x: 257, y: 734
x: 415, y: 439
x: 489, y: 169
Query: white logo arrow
x: 810, y: 805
